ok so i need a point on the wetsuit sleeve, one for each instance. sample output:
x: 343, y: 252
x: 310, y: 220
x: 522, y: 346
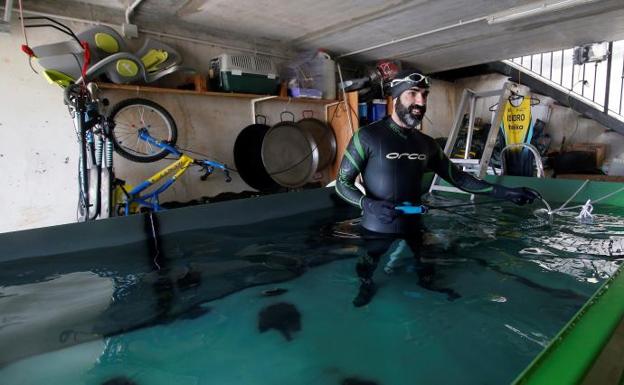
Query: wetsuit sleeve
x: 446, y: 169
x: 353, y: 162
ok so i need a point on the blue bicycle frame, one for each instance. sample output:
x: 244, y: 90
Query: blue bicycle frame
x: 179, y: 167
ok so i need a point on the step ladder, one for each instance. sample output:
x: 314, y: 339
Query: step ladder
x: 477, y: 167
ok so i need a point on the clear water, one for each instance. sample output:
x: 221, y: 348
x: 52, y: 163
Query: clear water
x: 190, y: 315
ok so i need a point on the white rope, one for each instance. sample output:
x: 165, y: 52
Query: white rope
x: 572, y: 197
x: 610, y: 194
x: 594, y: 201
x: 585, y: 216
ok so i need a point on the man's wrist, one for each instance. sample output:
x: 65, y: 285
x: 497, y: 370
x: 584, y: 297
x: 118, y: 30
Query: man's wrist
x: 499, y: 191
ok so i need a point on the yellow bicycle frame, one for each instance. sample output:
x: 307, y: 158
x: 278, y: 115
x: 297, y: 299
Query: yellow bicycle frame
x: 183, y: 164
x: 133, y: 200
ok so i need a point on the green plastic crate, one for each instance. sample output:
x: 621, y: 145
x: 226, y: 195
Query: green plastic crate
x: 245, y: 73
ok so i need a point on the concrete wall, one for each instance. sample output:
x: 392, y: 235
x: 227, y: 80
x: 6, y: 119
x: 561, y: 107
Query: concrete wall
x: 38, y: 149
x: 208, y: 125
x: 441, y: 108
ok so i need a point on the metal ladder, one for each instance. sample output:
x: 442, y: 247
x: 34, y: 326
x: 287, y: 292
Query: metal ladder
x: 477, y: 167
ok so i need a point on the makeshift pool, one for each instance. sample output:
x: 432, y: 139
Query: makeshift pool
x: 226, y: 293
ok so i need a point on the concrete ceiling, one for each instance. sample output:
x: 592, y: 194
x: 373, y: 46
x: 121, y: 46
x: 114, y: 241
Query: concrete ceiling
x: 450, y: 33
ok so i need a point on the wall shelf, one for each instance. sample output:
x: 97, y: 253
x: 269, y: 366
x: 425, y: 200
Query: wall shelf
x: 140, y: 88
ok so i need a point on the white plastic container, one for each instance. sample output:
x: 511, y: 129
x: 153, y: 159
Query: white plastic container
x: 328, y: 75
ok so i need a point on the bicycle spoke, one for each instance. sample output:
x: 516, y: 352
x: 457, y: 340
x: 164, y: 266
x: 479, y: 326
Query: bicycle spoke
x: 147, y: 146
x: 134, y: 150
x: 127, y: 126
x: 137, y: 115
x: 125, y: 134
x: 150, y: 147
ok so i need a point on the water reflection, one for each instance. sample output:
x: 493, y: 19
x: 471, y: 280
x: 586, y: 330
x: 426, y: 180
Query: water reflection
x: 48, y: 315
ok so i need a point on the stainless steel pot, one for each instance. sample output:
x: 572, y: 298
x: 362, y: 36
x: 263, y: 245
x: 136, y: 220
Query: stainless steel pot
x: 292, y: 152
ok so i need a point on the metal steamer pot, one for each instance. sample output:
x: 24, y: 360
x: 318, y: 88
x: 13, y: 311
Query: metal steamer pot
x: 292, y: 152
x: 248, y: 156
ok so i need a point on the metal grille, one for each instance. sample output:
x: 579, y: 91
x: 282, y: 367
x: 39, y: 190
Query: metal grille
x: 263, y: 64
x: 242, y: 62
x: 601, y: 84
x: 260, y: 65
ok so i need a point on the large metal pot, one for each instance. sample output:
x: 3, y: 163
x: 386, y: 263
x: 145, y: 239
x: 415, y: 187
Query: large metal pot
x: 248, y: 156
x: 293, y: 152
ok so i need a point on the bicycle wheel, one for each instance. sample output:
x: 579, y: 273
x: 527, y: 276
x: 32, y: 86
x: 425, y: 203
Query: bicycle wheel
x: 129, y: 116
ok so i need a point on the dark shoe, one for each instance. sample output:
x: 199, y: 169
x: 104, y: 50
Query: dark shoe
x: 365, y: 295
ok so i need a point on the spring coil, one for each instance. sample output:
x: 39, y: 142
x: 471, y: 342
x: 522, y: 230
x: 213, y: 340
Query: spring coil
x: 109, y: 153
x: 98, y: 151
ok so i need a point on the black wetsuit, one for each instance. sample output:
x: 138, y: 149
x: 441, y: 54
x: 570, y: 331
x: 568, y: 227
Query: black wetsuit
x: 392, y: 161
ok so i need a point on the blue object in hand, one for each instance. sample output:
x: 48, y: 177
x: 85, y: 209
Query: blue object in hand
x: 408, y: 208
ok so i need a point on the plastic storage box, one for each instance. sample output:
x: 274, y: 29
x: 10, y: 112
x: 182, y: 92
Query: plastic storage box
x: 244, y: 73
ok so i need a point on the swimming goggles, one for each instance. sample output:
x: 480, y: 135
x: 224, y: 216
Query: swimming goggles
x: 415, y: 78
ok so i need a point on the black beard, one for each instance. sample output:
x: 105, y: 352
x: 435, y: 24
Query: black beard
x: 406, y: 116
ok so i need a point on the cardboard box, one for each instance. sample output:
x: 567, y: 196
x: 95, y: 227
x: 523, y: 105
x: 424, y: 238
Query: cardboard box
x: 600, y: 149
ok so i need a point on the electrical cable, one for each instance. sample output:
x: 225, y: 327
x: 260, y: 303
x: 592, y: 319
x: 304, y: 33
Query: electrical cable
x: 21, y: 12
x: 82, y: 67
x: 26, y: 47
x: 59, y: 26
x: 155, y: 239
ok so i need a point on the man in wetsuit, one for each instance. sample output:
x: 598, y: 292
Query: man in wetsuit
x: 392, y: 155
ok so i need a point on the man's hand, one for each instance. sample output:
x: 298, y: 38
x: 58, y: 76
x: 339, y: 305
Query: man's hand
x: 383, y: 210
x: 518, y: 195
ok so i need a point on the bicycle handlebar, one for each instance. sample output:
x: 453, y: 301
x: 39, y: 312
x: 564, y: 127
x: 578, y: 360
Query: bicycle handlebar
x: 209, y: 166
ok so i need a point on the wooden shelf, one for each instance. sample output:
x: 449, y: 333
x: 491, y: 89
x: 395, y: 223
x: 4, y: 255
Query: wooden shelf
x: 137, y: 88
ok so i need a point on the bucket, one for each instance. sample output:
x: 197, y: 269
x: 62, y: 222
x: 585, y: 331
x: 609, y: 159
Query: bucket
x: 248, y: 156
x: 378, y: 110
x: 363, y: 113
x: 292, y: 152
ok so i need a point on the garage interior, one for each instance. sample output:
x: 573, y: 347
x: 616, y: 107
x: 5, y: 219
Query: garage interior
x: 270, y: 94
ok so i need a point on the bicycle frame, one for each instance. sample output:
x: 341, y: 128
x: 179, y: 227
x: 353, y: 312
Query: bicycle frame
x: 151, y: 200
x: 178, y: 168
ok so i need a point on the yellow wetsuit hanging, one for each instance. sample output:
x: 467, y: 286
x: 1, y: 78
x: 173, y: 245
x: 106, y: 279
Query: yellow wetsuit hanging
x: 516, y: 123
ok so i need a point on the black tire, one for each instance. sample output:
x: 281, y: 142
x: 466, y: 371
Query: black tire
x: 124, y: 131
x: 88, y: 196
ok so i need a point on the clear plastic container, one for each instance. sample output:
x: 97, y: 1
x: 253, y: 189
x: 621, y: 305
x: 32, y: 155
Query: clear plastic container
x: 313, y: 70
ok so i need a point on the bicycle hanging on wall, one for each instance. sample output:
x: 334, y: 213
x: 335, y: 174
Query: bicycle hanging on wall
x: 137, y: 129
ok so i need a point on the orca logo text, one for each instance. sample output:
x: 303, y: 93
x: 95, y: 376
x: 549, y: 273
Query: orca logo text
x: 412, y: 156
